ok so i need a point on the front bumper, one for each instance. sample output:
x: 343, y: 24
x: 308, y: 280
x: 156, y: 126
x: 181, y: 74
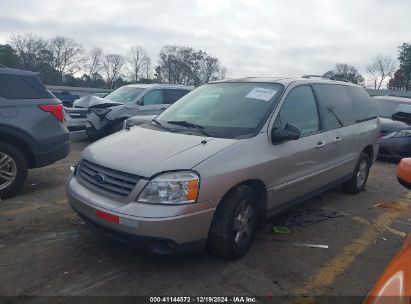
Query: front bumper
x: 160, y: 233
x: 395, y: 147
x: 96, y: 127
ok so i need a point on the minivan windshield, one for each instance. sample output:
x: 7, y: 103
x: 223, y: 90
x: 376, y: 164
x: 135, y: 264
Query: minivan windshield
x: 391, y: 109
x: 225, y: 110
x: 124, y: 94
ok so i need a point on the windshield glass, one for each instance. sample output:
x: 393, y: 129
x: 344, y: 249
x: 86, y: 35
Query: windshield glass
x: 124, y: 94
x: 225, y: 110
x: 386, y: 108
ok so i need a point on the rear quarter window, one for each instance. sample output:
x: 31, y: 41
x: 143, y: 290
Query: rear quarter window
x: 335, y: 106
x: 172, y: 95
x: 363, y: 105
x: 22, y: 87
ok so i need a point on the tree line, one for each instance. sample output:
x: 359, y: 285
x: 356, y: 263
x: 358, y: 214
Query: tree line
x: 382, y: 71
x: 63, y: 61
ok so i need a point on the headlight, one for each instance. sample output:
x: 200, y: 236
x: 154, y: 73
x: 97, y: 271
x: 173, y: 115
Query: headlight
x: 171, y: 188
x: 403, y: 133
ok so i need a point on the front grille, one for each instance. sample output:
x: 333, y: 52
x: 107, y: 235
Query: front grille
x: 112, y: 182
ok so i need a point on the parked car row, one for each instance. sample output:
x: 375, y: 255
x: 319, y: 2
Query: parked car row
x: 225, y: 156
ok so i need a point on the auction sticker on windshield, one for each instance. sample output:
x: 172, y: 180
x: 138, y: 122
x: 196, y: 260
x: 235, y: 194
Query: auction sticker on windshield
x: 261, y: 94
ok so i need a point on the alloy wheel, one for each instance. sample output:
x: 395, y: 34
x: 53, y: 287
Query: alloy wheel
x: 243, y: 224
x: 362, y: 174
x: 8, y: 170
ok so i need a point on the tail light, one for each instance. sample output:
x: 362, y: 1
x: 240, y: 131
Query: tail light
x: 378, y: 137
x: 55, y: 109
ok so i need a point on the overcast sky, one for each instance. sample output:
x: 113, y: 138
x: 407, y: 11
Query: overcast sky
x: 251, y: 38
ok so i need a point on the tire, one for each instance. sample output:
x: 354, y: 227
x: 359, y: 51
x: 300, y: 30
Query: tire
x: 13, y: 165
x: 230, y: 237
x: 360, y: 175
x: 117, y: 126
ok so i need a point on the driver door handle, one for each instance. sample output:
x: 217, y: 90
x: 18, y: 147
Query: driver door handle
x: 337, y: 138
x: 320, y: 144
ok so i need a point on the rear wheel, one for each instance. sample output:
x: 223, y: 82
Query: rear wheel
x: 13, y: 170
x: 234, y: 224
x: 360, y: 176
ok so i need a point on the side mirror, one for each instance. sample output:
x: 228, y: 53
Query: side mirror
x: 140, y: 102
x: 290, y: 132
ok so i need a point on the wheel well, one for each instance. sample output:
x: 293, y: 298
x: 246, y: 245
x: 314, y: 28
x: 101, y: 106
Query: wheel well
x: 369, y: 151
x: 261, y: 192
x: 23, y: 147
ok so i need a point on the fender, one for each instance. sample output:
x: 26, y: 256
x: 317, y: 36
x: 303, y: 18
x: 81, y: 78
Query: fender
x: 18, y: 134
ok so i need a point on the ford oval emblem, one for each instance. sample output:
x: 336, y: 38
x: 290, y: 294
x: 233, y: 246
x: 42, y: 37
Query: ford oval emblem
x: 99, y: 178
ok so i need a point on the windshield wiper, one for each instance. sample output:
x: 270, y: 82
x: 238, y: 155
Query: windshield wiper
x: 189, y: 125
x: 160, y: 125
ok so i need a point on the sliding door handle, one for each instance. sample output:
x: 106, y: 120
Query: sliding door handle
x: 337, y: 138
x: 320, y: 144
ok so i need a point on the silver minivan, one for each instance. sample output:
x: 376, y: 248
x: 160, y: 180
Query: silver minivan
x: 213, y: 166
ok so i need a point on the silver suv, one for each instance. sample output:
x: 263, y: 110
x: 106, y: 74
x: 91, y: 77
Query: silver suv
x: 213, y: 166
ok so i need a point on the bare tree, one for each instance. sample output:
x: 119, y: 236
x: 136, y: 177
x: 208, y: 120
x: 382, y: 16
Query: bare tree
x: 147, y: 67
x: 112, y: 66
x: 185, y: 65
x: 345, y: 72
x: 93, y: 64
x: 381, y: 69
x: 137, y: 58
x: 28, y: 48
x: 67, y: 55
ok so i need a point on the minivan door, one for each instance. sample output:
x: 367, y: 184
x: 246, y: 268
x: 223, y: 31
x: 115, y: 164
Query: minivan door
x: 338, y: 124
x: 298, y: 166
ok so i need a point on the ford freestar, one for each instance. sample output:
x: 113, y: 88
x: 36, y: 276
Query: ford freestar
x: 229, y: 154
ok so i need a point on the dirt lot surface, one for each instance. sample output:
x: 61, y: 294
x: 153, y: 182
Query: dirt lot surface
x: 46, y: 249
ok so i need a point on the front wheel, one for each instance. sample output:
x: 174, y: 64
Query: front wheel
x: 234, y: 224
x: 13, y: 170
x: 360, y: 176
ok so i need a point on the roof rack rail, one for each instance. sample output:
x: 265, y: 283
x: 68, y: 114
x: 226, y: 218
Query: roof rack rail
x: 312, y: 76
x: 2, y: 66
x: 328, y: 78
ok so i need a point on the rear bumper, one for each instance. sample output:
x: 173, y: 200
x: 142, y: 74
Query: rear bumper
x: 76, y: 124
x: 160, y: 234
x: 60, y: 151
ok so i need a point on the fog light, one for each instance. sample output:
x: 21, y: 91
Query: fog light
x: 73, y: 169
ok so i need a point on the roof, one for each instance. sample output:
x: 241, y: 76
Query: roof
x: 158, y: 85
x: 393, y: 98
x: 287, y: 80
x: 8, y: 71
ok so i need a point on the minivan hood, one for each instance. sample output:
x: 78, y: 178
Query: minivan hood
x: 146, y: 152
